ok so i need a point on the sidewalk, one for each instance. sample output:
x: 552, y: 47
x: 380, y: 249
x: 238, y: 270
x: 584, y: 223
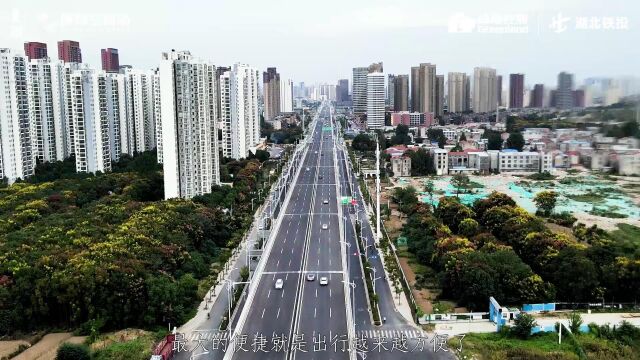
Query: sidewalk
x: 400, y: 302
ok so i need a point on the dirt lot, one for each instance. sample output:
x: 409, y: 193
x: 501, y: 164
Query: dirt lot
x: 9, y: 346
x: 46, y: 348
x: 422, y: 296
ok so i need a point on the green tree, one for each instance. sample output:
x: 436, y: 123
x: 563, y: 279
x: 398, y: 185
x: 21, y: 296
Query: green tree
x: 460, y: 182
x: 463, y: 137
x: 406, y: 198
x: 468, y: 227
x: 515, y: 141
x: 523, y: 324
x: 69, y: 351
x: 421, y: 163
x: 401, y: 136
x: 546, y: 202
x: 494, y: 139
x: 429, y: 188
x: 575, y: 322
x: 362, y: 142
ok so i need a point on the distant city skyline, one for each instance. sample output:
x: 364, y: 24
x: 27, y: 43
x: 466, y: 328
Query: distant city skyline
x: 338, y: 36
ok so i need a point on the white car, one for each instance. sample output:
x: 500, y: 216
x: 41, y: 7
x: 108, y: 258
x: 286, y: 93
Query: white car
x: 324, y: 281
x: 279, y: 284
x: 307, y: 169
x: 311, y: 277
x: 325, y: 226
x: 325, y: 201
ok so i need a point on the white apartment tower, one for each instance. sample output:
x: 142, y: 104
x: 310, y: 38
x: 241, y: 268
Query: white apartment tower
x: 245, y: 118
x: 225, y: 113
x: 46, y: 109
x: 189, y: 132
x: 141, y: 127
x: 94, y: 126
x: 375, y: 100
x: 484, y: 90
x: 16, y: 160
x: 286, y: 95
x: 155, y: 85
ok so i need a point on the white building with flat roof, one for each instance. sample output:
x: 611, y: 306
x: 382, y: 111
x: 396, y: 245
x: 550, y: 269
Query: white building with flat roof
x: 440, y: 161
x: 375, y: 100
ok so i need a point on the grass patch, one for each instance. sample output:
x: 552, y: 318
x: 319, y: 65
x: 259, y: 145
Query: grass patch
x: 608, y: 213
x: 588, y: 197
x: 543, y: 176
x: 499, y: 346
x: 136, y: 349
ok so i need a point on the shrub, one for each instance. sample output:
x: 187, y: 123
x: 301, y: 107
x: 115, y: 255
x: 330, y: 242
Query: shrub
x: 575, y: 321
x: 523, y: 325
x: 73, y: 352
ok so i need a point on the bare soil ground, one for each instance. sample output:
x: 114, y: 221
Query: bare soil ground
x: 118, y: 336
x: 9, y: 346
x: 46, y: 348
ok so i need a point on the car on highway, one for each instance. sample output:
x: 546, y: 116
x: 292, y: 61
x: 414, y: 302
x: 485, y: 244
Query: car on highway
x: 311, y: 277
x: 324, y: 281
x: 325, y: 201
x: 325, y: 226
x: 279, y: 284
x: 308, y: 169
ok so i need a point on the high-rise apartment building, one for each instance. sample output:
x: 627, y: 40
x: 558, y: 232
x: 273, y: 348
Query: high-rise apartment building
x: 564, y: 91
x: 110, y: 60
x: 439, y: 105
x: 415, y: 88
x: 578, y: 98
x: 427, y: 88
x: 69, y: 51
x: 286, y: 95
x: 16, y: 160
x: 141, y: 98
x: 401, y: 93
x: 189, y: 131
x: 537, y: 96
x: 96, y: 117
x: 240, y: 118
x: 271, y: 88
x: 157, y: 112
x: 46, y: 109
x: 35, y: 50
x: 516, y: 91
x: 375, y: 100
x: 458, y: 92
x: 484, y: 89
x: 499, y: 96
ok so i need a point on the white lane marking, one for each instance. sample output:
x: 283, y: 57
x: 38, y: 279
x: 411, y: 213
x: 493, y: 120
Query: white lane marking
x: 316, y: 292
x: 263, y: 310
x: 286, y: 276
x: 282, y: 296
x: 329, y: 312
x: 278, y: 315
x: 315, y: 310
x: 269, y: 294
x: 329, y: 292
x: 289, y: 262
x: 278, y: 264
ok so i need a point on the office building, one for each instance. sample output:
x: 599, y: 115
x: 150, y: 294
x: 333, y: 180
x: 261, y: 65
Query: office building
x: 46, y: 109
x: 271, y: 88
x: 342, y: 91
x: 564, y: 91
x: 439, y: 105
x: 484, y: 90
x: 189, y: 131
x: 110, y: 60
x: 16, y: 160
x: 375, y: 100
x: 35, y: 50
x: 578, y: 98
x: 516, y: 91
x: 359, y: 91
x: 391, y: 88
x: 537, y: 96
x: 458, y: 92
x: 69, y: 51
x: 401, y: 93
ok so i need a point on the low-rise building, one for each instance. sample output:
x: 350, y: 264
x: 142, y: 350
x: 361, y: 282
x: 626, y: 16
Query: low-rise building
x: 401, y: 165
x: 629, y: 163
x: 440, y: 161
x: 519, y: 161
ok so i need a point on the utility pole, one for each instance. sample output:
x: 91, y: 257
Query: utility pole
x: 378, y: 231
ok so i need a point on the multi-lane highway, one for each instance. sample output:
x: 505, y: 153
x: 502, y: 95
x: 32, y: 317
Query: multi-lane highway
x: 307, y: 298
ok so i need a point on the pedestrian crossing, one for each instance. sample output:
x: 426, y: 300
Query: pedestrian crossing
x: 391, y: 334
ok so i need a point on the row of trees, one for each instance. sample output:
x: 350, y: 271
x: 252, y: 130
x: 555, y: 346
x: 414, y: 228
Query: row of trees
x: 107, y: 252
x: 495, y: 248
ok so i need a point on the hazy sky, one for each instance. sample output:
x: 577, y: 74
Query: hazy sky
x: 321, y: 41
